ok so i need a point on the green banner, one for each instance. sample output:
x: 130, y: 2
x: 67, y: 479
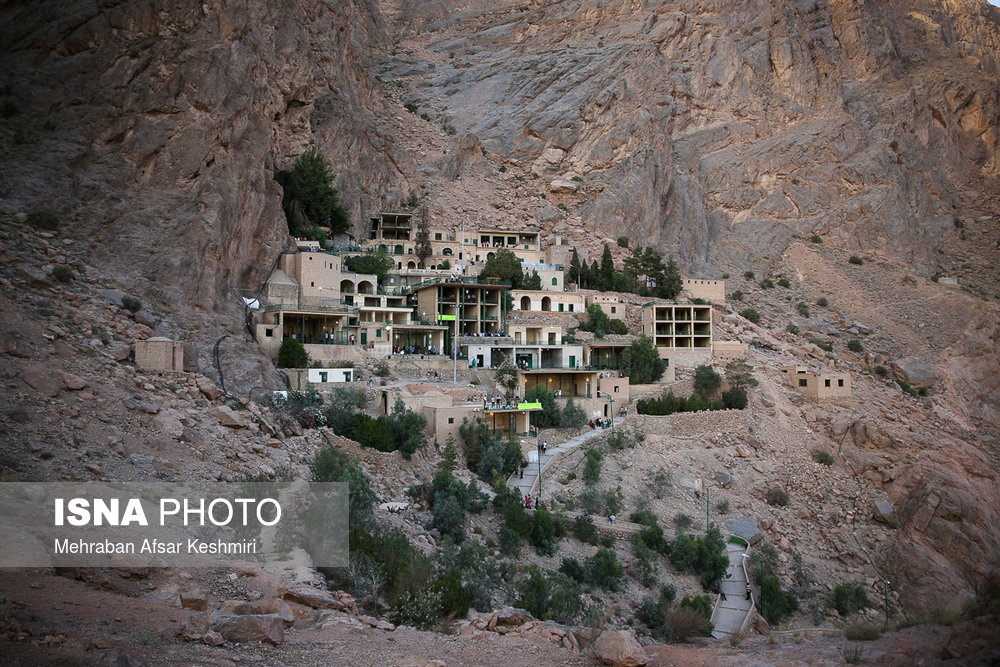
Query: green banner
x: 529, y: 406
x: 446, y: 318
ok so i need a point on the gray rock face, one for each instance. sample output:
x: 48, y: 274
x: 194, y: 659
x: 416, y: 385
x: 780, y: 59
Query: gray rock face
x: 746, y: 528
x: 917, y: 372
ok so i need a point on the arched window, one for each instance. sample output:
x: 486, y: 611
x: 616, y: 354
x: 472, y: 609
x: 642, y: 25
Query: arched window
x: 398, y: 250
x: 555, y: 281
x: 446, y: 252
x: 546, y: 303
x: 525, y: 303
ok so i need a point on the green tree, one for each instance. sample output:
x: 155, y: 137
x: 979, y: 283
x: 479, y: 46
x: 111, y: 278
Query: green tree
x: 378, y: 262
x: 550, y: 414
x: 604, y: 570
x: 506, y: 377
x: 309, y: 197
x: 543, y: 533
x: 672, y: 283
x: 505, y: 266
x: 575, y: 268
x: 706, y: 380
x: 334, y: 465
x: 607, y: 271
x: 422, y: 247
x: 592, y: 468
x: 739, y: 374
x: 641, y: 362
x: 532, y: 281
x: 572, y: 415
x: 597, y: 322
x: 292, y: 354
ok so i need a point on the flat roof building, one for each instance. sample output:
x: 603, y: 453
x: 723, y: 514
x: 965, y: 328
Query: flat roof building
x: 819, y: 386
x: 684, y: 328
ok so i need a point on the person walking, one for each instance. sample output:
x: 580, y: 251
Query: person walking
x: 749, y: 591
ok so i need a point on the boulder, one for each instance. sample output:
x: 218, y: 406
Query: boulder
x: 207, y: 387
x: 312, y: 597
x: 512, y: 618
x: 249, y: 627
x: 746, y: 528
x: 619, y: 648
x: 42, y: 379
x: 170, y: 423
x: 15, y: 346
x: 915, y: 371
x: 195, y: 599
x: 112, y: 297
x: 228, y: 418
x: 761, y: 625
x: 883, y: 511
x: 282, y: 609
x: 563, y: 186
x: 168, y: 595
x: 72, y: 382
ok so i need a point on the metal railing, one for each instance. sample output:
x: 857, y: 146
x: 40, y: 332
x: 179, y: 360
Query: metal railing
x: 333, y: 308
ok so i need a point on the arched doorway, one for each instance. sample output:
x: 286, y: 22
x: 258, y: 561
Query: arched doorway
x: 546, y: 303
x: 525, y: 303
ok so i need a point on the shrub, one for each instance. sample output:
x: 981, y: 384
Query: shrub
x: 62, y: 273
x: 543, y: 533
x: 777, y: 497
x: 775, y: 604
x: 381, y: 369
x: 767, y: 283
x: 562, y: 207
x: 803, y: 308
x: 411, y: 107
x: 816, y: 238
x: 854, y: 345
x: 133, y: 305
x: 722, y: 507
x: 881, y: 370
x: 856, y: 260
x: 622, y: 240
x: 824, y: 457
x: 734, y: 398
x: 785, y: 282
x: 421, y: 609
x: 604, y: 570
x: 862, y: 631
x: 936, y: 277
x: 572, y: 568
x: 822, y: 302
x: 682, y: 522
x: 737, y: 295
x: 510, y: 541
x: 291, y: 354
x: 751, y: 314
x: 725, y: 276
x: 822, y: 344
x: 578, y: 179
x: 46, y: 220
x: 853, y: 654
x: 907, y: 389
x: 334, y: 465
x: 585, y: 530
x: 592, y: 468
x: 793, y: 329
x: 706, y: 380
x: 748, y: 275
x: 848, y: 597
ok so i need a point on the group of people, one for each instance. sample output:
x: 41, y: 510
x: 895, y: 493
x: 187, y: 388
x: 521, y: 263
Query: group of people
x: 412, y: 349
x: 498, y: 402
x: 537, y: 503
x: 599, y: 423
x: 722, y: 594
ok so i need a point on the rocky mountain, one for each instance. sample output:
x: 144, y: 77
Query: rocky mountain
x: 720, y: 131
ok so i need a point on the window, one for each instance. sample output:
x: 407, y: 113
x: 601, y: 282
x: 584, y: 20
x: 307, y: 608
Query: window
x: 571, y: 308
x: 555, y: 281
x: 322, y: 377
x: 451, y: 420
x: 269, y: 333
x: 560, y: 307
x: 827, y: 382
x: 803, y: 382
x: 616, y: 389
x: 840, y: 383
x: 312, y: 284
x: 378, y: 333
x: 437, y: 236
x: 613, y: 311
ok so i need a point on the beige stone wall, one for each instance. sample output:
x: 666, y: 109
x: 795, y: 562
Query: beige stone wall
x: 713, y: 291
x: 729, y: 349
x: 546, y: 301
x: 159, y: 354
x: 318, y: 274
x: 818, y: 386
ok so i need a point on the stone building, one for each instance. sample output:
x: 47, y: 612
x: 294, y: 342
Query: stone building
x: 818, y: 386
x: 159, y: 354
x: 684, y: 328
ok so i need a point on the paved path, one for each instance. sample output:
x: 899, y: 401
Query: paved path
x: 527, y: 485
x: 730, y: 613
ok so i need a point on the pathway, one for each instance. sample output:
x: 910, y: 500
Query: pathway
x: 730, y: 613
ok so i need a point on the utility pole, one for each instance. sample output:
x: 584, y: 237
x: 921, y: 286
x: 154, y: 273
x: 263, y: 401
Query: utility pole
x: 887, y: 604
x: 458, y: 300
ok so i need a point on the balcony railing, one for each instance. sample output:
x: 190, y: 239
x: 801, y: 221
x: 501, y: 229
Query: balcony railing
x: 335, y: 308
x: 502, y: 341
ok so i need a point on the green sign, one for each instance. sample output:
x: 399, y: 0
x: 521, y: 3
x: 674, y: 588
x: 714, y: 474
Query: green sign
x: 529, y: 406
x: 446, y: 318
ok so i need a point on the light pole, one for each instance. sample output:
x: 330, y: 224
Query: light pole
x: 707, y: 495
x: 611, y: 411
x: 887, y: 603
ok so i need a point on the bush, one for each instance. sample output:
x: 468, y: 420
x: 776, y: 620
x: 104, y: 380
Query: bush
x: 822, y: 302
x: 411, y: 107
x: 856, y: 260
x: 793, y: 329
x: 685, y: 622
x: 748, y: 275
x: 785, y: 282
x: 562, y: 207
x: 682, y: 522
x: 815, y: 238
x: 722, y: 507
x: 592, y: 468
x: 777, y: 497
x: 421, y: 609
x: 455, y: 599
x: 641, y: 361
x: 751, y: 314
x: 881, y: 371
x: 291, y: 354
x: 822, y: 344
x: 734, y: 399
x: 572, y: 568
x: 853, y: 654
x: 585, y: 530
x: 862, y: 631
x: 381, y: 369
x: 622, y: 240
x: 725, y: 276
x: 510, y: 541
x: 604, y: 570
x: 543, y: 533
x: 62, y: 273
x: 133, y: 304
x: 334, y: 465
x: 767, y: 283
x: 824, y: 457
x: 706, y: 380
x: 907, y: 388
x: 848, y: 597
x: 803, y: 309
x: 775, y: 604
x: 46, y: 220
x: 854, y: 345
x: 737, y: 295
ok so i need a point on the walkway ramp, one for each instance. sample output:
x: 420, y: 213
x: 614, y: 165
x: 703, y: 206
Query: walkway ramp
x: 730, y: 614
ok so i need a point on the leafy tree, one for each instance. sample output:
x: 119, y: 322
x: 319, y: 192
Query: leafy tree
x: 309, y: 197
x: 848, y: 597
x: 597, y: 322
x: 734, y: 398
x: 739, y: 374
x: 572, y: 415
x: 585, y: 530
x: 641, y: 362
x: 672, y: 283
x: 575, y: 268
x: 543, y: 533
x: 292, y: 354
x: 505, y: 266
x: 449, y: 517
x: 604, y: 570
x: 334, y: 465
x: 378, y: 262
x: 706, y: 380
x: 449, y: 456
x: 422, y: 247
x: 592, y: 468
x: 532, y: 281
x: 607, y: 271
x: 550, y: 414
x: 445, y: 264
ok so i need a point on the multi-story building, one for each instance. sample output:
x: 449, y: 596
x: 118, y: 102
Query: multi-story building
x: 550, y: 275
x: 473, y: 308
x: 445, y: 417
x: 396, y: 232
x: 525, y: 244
x: 682, y: 327
x: 599, y: 393
x: 609, y: 303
